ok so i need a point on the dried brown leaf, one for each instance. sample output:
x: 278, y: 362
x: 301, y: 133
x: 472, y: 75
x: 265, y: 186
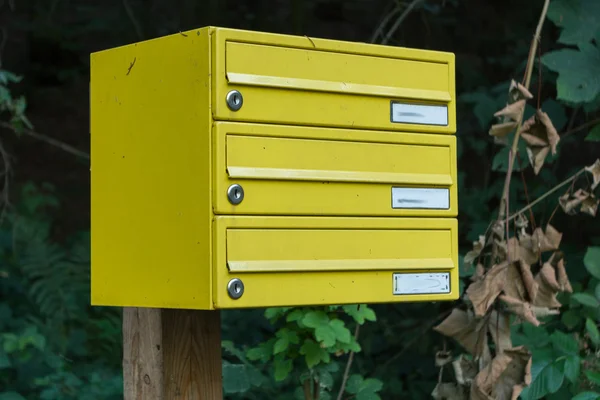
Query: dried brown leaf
x: 520, y: 283
x: 442, y: 358
x: 502, y: 130
x: 467, y: 331
x: 548, y: 288
x: 529, y: 250
x: 449, y: 391
x: 464, y: 370
x: 594, y: 169
x: 499, y: 327
x: 569, y: 202
x: 540, y: 242
x: 521, y: 221
x: 478, y: 246
x: 537, y: 156
x: 479, y: 273
x: 483, y: 293
x: 522, y: 309
x: 512, y: 111
x: 539, y: 131
x: 505, y: 377
x: 590, y: 205
x: 558, y: 262
x: 518, y: 91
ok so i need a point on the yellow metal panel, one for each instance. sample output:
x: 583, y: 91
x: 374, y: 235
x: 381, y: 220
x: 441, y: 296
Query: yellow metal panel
x: 291, y: 170
x: 150, y: 173
x: 297, y: 80
x: 304, y: 260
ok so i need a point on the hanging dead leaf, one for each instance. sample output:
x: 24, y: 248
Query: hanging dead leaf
x: 442, y: 358
x: 528, y: 249
x: 464, y: 370
x: 540, y: 242
x: 537, y: 156
x: 470, y: 333
x: 558, y: 262
x: 498, y: 229
x: 520, y: 283
x: 518, y: 91
x: 478, y: 246
x: 548, y: 288
x: 483, y: 293
x: 570, y: 201
x: 521, y: 221
x: 594, y: 169
x: 505, y: 377
x: 510, y: 251
x: 590, y: 205
x: 499, y: 327
x: 541, y: 138
x: 479, y: 273
x: 501, y: 130
x: 522, y: 309
x: 512, y: 111
x: 449, y: 391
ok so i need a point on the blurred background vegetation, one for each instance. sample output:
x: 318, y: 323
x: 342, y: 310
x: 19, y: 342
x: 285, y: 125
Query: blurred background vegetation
x: 53, y: 345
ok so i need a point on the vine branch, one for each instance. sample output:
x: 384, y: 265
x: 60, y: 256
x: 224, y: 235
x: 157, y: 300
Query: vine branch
x: 348, y: 366
x: 47, y: 139
x: 514, y: 148
x: 400, y: 19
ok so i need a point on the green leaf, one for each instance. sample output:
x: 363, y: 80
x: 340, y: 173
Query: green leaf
x: 579, y: 19
x: 235, y: 378
x: 326, y: 335
x: 537, y: 336
x: 594, y: 135
x: 314, y: 319
x: 572, y: 367
x: 282, y: 369
x: 354, y: 383
x: 586, y: 299
x: 541, y: 361
x: 591, y: 260
x: 313, y: 353
x: 4, y: 360
x: 360, y: 313
x: 593, y: 376
x: 263, y: 352
x: 372, y: 385
x: 342, y: 334
x: 578, y: 72
x: 592, y: 330
x: 597, y: 291
x: 295, y: 315
x: 553, y: 377
x: 587, y: 396
x: 571, y: 318
x: 326, y: 380
x: 281, y: 345
x: 276, y: 312
x: 564, y: 343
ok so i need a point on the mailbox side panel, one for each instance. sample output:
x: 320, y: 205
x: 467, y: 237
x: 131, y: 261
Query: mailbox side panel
x: 150, y: 173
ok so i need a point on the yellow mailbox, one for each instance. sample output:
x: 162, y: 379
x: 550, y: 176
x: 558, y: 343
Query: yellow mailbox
x: 235, y: 169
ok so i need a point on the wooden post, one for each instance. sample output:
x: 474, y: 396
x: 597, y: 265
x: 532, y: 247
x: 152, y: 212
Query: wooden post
x: 171, y: 354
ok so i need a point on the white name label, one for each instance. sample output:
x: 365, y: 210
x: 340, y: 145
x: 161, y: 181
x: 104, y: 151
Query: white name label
x: 419, y: 114
x: 428, y: 198
x: 423, y: 283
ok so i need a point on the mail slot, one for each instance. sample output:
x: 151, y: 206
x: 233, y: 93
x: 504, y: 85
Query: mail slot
x: 334, y: 260
x: 236, y: 169
x: 306, y: 81
x: 318, y: 171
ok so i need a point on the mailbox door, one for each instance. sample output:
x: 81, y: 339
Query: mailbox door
x: 287, y: 170
x: 291, y: 261
x: 306, y: 81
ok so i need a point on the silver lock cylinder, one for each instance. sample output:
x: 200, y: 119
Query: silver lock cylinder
x: 235, y: 288
x: 235, y: 194
x: 234, y: 100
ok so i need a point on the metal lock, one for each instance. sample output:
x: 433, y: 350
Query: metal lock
x: 235, y: 194
x: 235, y: 288
x: 234, y: 100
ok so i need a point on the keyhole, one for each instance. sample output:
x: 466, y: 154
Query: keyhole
x: 236, y: 288
x: 236, y: 193
x: 236, y: 99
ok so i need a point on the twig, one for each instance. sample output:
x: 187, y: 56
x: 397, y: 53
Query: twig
x: 400, y: 19
x: 133, y: 19
x: 545, y: 195
x: 514, y: 148
x: 348, y: 365
x: 47, y: 139
x: 5, y: 200
x: 581, y: 127
x: 384, y: 22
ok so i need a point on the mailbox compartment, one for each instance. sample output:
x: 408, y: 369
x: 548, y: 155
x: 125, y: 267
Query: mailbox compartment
x: 309, y: 261
x: 288, y: 170
x: 308, y: 81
